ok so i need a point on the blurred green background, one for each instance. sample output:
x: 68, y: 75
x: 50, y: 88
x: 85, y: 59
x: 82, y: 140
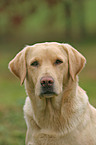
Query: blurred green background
x: 25, y: 22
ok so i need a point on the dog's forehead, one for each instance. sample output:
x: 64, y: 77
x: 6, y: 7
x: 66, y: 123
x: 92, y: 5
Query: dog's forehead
x: 46, y: 49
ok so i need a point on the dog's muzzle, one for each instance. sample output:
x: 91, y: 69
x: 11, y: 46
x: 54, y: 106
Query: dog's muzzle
x: 47, y: 86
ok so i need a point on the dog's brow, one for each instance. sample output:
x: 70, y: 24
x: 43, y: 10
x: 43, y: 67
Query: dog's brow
x: 34, y: 59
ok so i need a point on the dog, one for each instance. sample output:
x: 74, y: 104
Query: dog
x: 56, y: 110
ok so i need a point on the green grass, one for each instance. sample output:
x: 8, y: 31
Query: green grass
x: 12, y: 98
x: 12, y: 95
x: 90, y: 87
x: 12, y: 125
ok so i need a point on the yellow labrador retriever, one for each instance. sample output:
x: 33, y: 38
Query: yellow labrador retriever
x: 57, y: 111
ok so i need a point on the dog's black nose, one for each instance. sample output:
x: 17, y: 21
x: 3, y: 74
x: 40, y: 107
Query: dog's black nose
x: 47, y: 81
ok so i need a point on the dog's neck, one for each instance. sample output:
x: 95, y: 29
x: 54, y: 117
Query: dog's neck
x: 60, y: 112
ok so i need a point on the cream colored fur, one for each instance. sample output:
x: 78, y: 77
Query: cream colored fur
x: 66, y: 118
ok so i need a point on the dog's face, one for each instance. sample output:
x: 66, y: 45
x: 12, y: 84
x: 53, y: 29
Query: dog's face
x: 47, y: 67
x: 46, y: 64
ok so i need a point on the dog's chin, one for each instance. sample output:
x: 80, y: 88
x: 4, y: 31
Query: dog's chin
x: 48, y: 94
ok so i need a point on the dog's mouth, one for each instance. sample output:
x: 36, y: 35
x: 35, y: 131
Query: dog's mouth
x: 48, y: 94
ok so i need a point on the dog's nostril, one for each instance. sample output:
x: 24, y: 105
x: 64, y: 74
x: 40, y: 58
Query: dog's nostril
x: 50, y: 82
x: 43, y: 83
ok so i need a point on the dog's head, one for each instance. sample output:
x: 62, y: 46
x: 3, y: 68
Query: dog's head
x: 47, y: 67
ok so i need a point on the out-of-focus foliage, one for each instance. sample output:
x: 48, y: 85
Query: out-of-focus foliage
x: 42, y: 18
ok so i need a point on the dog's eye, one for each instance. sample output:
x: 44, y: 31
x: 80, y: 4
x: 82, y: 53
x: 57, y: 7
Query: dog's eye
x: 35, y: 63
x: 58, y: 62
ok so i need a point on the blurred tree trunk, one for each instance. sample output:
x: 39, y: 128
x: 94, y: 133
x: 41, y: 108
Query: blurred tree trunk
x: 81, y: 17
x: 52, y: 4
x: 68, y: 23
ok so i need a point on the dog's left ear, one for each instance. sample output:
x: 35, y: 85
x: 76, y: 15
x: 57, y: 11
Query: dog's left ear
x: 76, y: 60
x: 18, y: 65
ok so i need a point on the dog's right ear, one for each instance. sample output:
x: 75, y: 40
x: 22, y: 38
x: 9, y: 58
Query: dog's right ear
x: 18, y: 65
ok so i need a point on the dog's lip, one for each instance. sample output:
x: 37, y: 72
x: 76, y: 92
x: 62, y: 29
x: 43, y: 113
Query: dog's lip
x: 48, y: 94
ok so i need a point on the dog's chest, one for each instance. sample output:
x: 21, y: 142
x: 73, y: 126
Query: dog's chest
x: 69, y: 139
x: 45, y: 139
